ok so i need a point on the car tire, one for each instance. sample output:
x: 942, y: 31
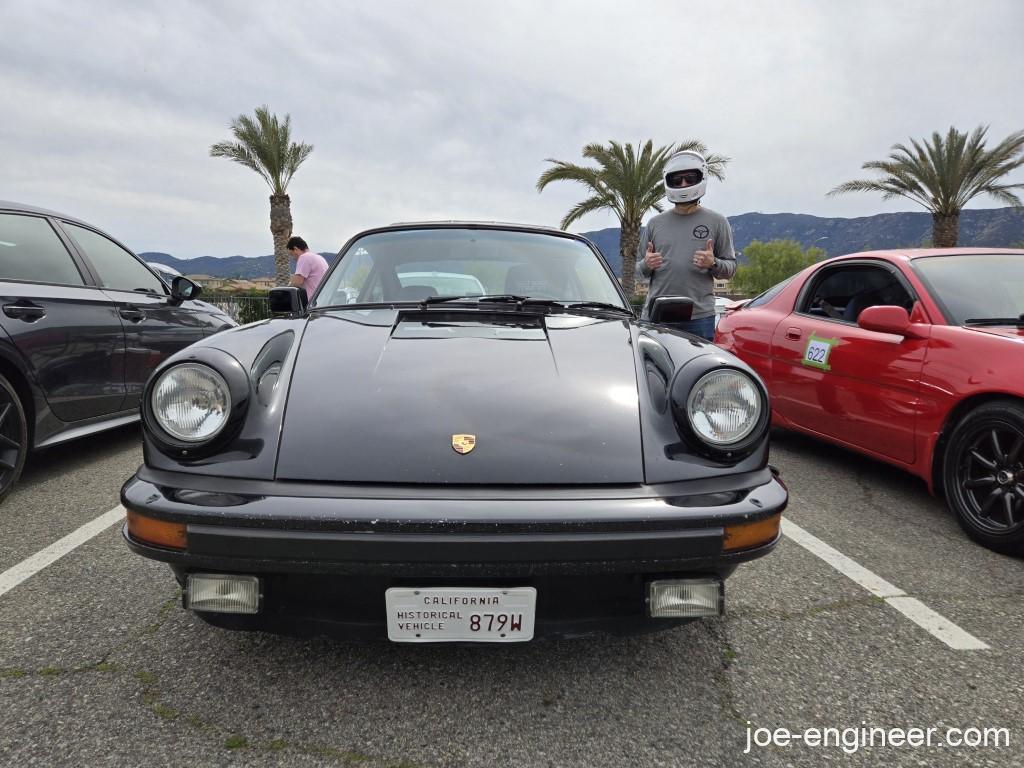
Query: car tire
x: 983, y: 475
x: 13, y: 437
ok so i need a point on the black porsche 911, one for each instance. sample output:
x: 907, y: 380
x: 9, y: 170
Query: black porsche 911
x: 466, y: 436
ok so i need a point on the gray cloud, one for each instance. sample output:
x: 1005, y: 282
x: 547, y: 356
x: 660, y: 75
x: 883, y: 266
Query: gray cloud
x: 448, y: 110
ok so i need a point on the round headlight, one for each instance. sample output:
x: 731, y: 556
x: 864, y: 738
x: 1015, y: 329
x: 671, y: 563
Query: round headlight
x: 191, y: 402
x: 724, y: 407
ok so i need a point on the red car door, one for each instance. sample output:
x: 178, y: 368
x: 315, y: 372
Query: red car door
x: 844, y: 382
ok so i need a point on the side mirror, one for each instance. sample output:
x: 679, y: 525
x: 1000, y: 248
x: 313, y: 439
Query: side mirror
x: 671, y: 309
x: 290, y: 301
x: 183, y: 289
x: 889, y: 319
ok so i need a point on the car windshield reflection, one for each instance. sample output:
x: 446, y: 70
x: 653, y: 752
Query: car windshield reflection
x: 972, y: 287
x: 451, y: 264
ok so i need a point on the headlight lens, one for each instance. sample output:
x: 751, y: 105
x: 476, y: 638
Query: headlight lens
x: 724, y: 407
x: 191, y: 402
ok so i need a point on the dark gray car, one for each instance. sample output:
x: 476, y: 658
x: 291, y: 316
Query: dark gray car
x: 83, y: 324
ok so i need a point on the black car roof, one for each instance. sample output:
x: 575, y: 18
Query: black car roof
x: 7, y: 205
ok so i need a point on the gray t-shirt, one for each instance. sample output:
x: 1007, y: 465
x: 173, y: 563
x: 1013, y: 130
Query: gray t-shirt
x: 677, y: 237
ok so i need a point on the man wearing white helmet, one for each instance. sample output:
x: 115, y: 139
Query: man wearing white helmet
x: 684, y: 249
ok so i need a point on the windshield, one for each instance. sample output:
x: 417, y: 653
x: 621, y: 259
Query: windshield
x: 412, y: 265
x: 975, y: 286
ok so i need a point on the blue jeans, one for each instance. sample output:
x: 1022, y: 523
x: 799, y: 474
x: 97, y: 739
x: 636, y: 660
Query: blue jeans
x: 703, y: 327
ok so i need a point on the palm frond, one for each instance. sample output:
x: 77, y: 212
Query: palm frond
x: 581, y: 209
x: 945, y: 172
x: 263, y: 143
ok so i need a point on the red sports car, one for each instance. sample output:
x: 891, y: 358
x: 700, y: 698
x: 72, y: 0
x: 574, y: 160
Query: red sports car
x: 913, y: 357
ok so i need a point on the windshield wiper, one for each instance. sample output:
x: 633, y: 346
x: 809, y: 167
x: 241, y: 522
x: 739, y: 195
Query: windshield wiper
x: 442, y: 299
x: 598, y: 305
x: 1018, y: 321
x: 528, y: 301
x: 520, y: 301
x: 497, y: 298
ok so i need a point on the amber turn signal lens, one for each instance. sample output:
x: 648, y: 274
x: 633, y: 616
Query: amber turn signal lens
x: 750, y: 535
x: 158, y: 532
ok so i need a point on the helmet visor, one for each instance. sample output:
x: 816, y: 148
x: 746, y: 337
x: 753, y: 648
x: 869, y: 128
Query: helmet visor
x: 679, y: 179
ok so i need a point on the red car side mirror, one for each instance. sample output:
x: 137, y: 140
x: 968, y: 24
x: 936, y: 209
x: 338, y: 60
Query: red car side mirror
x: 889, y: 319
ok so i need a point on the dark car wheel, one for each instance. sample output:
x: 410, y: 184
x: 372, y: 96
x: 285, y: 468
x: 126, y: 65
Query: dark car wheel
x: 984, y: 475
x: 13, y: 437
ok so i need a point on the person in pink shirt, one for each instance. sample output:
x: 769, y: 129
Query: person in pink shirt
x: 309, y: 267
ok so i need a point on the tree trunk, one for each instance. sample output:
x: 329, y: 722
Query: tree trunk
x: 281, y: 229
x: 629, y: 241
x: 945, y: 229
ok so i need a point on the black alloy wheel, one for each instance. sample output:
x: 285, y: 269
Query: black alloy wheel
x: 984, y: 475
x: 13, y: 437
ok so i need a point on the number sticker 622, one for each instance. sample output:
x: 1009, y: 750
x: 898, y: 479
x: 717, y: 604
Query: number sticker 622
x: 817, y: 353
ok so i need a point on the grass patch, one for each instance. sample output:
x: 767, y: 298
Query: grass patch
x: 277, y: 745
x: 50, y: 671
x: 235, y: 742
x: 161, y: 617
x: 12, y: 674
x: 163, y: 712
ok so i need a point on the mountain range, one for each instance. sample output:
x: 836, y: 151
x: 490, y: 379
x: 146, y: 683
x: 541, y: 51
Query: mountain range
x: 991, y: 227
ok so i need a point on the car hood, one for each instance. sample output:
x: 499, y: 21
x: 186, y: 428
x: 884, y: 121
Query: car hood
x: 380, y: 395
x: 1005, y: 331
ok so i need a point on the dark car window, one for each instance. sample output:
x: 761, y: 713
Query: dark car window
x: 768, y: 295
x: 31, y: 250
x: 117, y: 268
x: 842, y: 293
x: 409, y: 265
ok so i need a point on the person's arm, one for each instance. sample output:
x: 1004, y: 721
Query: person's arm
x: 725, y: 257
x: 641, y: 270
x: 303, y: 266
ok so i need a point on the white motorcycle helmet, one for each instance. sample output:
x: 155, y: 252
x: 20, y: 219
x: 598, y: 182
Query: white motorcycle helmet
x: 685, y: 187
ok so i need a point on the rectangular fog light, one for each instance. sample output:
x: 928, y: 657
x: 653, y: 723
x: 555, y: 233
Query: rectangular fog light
x: 222, y: 593
x: 686, y: 598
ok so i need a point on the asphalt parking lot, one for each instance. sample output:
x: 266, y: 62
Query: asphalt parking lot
x: 99, y: 665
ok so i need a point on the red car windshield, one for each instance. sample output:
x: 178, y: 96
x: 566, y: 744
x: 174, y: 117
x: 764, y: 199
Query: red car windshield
x: 976, y: 287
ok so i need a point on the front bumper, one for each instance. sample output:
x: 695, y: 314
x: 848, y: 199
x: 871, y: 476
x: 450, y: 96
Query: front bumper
x: 595, y: 547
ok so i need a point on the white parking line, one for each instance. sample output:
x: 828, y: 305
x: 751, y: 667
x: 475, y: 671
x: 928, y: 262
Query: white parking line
x: 30, y: 566
x: 919, y: 613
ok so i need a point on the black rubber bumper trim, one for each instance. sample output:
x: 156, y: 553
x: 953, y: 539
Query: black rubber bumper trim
x: 458, y: 536
x: 261, y: 544
x: 469, y: 565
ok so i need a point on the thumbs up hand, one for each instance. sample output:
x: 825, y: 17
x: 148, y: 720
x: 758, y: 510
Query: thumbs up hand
x: 653, y: 259
x: 705, y: 258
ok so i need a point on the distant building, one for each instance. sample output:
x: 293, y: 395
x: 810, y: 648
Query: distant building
x: 263, y: 283
x: 208, y: 282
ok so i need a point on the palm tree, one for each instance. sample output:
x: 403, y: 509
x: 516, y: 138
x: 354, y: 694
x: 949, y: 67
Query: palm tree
x: 944, y: 174
x: 263, y: 143
x: 626, y: 181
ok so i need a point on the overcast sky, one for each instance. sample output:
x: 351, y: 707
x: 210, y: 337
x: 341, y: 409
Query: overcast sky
x: 440, y: 110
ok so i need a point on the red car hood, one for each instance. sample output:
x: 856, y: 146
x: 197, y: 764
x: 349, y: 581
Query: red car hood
x: 1007, y: 331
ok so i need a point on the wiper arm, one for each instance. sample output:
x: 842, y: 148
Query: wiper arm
x: 442, y: 299
x: 1018, y: 321
x: 522, y: 301
x: 598, y: 305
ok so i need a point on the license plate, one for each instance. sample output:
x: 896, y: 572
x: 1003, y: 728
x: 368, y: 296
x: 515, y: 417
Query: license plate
x: 453, y: 614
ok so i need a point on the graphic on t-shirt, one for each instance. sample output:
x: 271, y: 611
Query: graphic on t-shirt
x: 700, y: 232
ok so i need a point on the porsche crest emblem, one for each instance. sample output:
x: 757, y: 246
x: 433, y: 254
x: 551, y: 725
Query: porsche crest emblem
x: 463, y: 443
